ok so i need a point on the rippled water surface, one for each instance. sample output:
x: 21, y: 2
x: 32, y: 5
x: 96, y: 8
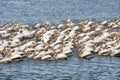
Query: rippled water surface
x: 30, y: 11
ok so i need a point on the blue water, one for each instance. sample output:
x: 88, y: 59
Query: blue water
x: 30, y: 11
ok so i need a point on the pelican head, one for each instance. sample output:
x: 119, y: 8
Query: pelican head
x: 67, y: 20
x: 37, y: 25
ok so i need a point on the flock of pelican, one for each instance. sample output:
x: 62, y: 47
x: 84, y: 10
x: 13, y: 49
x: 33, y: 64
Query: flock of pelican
x: 43, y: 41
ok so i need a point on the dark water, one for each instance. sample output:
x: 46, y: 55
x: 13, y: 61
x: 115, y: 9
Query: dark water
x: 30, y: 11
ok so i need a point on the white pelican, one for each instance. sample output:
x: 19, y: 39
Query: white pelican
x: 5, y: 61
x: 47, y: 57
x: 37, y: 25
x: 67, y: 50
x: 38, y: 55
x: 60, y: 56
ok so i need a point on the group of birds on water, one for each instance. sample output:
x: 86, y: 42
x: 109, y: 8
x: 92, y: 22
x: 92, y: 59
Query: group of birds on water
x: 44, y: 41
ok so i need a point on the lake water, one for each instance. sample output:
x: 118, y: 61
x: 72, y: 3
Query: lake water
x: 30, y: 11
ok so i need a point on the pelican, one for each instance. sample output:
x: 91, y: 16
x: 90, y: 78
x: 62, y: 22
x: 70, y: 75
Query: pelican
x: 69, y: 23
x: 38, y: 55
x: 37, y: 25
x: 104, y: 22
x: 60, y: 56
x: 115, y: 52
x: 60, y: 26
x: 46, y: 25
x: 47, y: 57
x: 117, y: 20
x: 48, y: 35
x: 67, y: 50
x: 5, y: 61
x: 16, y: 55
